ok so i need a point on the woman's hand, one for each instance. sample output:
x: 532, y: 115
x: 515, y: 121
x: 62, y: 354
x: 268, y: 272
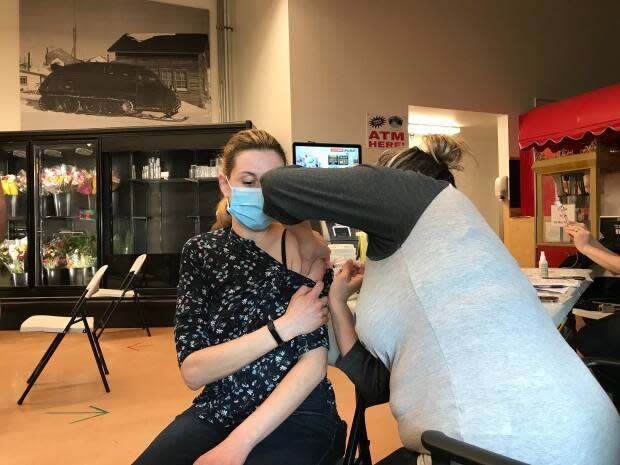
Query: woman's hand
x: 347, y: 282
x: 580, y: 235
x: 306, y: 312
x: 228, y: 452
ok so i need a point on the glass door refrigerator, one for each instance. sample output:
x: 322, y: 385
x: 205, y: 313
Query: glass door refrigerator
x: 66, y: 212
x: 158, y: 195
x: 14, y: 270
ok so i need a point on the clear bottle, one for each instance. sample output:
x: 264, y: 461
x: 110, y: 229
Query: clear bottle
x: 543, y: 266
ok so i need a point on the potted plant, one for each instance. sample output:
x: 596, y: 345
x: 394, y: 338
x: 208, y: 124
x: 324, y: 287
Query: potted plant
x: 13, y: 256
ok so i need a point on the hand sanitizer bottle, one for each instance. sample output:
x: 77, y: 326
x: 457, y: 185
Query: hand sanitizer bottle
x: 543, y: 266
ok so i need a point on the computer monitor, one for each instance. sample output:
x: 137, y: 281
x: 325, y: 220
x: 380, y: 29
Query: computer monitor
x: 609, y: 227
x: 313, y: 155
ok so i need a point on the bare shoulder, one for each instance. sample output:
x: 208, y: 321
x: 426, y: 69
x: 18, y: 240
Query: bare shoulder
x: 292, y: 252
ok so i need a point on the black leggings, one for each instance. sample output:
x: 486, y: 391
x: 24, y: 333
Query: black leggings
x: 601, y: 338
x: 304, y: 438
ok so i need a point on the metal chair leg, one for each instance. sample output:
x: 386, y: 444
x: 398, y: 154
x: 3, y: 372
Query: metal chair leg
x: 93, y: 346
x: 145, y: 326
x: 50, y: 350
x: 106, y: 316
x: 100, y: 352
x: 32, y: 379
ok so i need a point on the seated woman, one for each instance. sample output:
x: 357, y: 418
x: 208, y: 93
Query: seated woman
x: 600, y: 338
x: 250, y: 332
x: 470, y: 349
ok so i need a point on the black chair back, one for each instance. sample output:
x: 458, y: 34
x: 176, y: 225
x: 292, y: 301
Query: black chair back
x: 446, y: 450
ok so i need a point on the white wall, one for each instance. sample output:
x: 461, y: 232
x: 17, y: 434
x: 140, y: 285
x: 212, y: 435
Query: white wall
x: 261, y: 86
x: 480, y: 169
x: 353, y: 56
x: 9, y: 55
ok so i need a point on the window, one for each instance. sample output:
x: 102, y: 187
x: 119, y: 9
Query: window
x: 23, y: 80
x: 166, y: 77
x: 180, y: 80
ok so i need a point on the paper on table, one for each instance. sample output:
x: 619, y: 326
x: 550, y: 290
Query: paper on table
x: 542, y: 282
x: 561, y: 298
x: 554, y: 290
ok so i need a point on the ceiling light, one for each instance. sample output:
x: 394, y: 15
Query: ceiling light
x: 421, y: 129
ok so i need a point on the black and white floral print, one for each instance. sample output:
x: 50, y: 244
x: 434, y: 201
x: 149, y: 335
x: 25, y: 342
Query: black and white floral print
x: 229, y: 287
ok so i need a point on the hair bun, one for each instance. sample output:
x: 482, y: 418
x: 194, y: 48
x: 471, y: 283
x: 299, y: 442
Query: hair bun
x: 447, y: 150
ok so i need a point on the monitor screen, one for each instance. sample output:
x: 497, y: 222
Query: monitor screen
x: 609, y: 228
x: 311, y: 155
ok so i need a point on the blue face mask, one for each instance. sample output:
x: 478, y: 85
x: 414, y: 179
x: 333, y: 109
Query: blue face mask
x: 246, y: 206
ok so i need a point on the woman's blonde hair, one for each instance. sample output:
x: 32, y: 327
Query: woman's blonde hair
x: 446, y: 154
x: 250, y: 139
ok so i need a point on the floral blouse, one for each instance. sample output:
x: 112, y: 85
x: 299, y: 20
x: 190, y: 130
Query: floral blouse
x: 229, y: 287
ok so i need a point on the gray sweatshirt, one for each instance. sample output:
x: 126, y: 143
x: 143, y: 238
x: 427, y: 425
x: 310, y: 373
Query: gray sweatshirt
x: 445, y: 307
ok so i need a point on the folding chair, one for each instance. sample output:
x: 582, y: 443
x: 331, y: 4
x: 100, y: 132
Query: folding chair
x: 358, y: 442
x: 77, y: 316
x: 127, y: 290
x: 594, y: 362
x: 445, y: 449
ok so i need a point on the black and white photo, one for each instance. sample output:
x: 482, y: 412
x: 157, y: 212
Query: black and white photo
x: 110, y: 63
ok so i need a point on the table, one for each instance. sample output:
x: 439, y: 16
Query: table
x: 559, y: 310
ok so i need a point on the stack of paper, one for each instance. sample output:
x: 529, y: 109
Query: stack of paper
x: 539, y: 282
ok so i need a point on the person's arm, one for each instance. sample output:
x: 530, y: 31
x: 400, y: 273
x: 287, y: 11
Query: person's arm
x: 346, y: 283
x: 603, y: 256
x: 592, y: 248
x: 298, y: 383
x: 343, y: 326
x: 383, y: 202
x: 370, y: 376
x: 201, y: 362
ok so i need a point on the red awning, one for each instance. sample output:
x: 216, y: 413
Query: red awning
x: 572, y: 118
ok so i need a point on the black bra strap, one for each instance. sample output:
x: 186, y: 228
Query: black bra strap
x: 284, y: 248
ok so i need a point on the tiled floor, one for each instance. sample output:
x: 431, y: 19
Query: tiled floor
x: 146, y: 393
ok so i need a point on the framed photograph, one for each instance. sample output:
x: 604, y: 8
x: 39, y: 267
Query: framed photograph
x: 113, y: 63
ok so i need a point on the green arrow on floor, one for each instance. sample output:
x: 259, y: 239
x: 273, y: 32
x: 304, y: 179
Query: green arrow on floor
x: 96, y: 410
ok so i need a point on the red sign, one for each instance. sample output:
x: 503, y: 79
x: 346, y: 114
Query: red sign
x: 385, y: 131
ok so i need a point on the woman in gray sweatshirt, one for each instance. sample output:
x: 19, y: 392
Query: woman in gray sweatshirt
x: 469, y: 348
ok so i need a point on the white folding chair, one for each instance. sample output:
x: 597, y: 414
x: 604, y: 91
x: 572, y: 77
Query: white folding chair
x: 63, y: 325
x: 127, y: 291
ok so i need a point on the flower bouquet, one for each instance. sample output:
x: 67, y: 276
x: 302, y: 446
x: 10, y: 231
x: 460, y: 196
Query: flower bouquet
x: 22, y: 181
x: 12, y: 186
x: 57, y: 179
x: 9, y: 185
x: 81, y: 250
x: 13, y: 254
x: 54, y: 253
x: 85, y: 181
x: 81, y: 257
